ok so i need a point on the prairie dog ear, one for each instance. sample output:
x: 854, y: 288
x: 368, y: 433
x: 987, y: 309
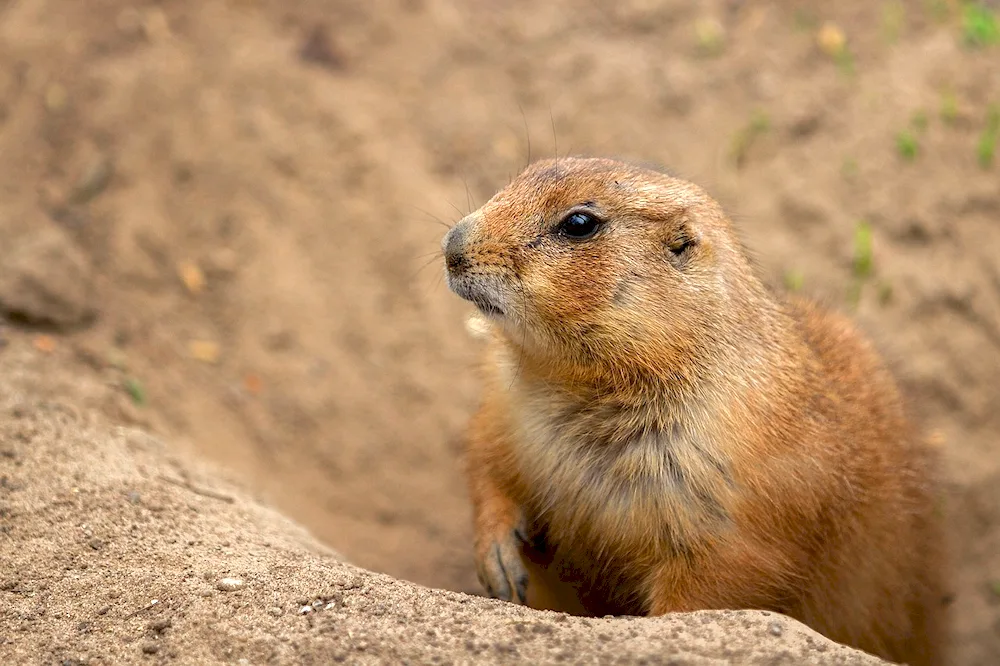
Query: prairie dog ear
x: 679, y: 239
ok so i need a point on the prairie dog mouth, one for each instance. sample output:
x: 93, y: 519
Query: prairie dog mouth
x: 488, y: 309
x: 486, y: 297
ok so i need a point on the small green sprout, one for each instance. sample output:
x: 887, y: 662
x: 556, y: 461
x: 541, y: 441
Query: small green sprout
x: 745, y: 137
x: 850, y: 169
x: 884, y: 294
x: 863, y: 261
x: 940, y: 10
x: 949, y: 107
x: 893, y: 20
x: 980, y: 26
x: 845, y: 61
x: 907, y: 145
x: 805, y: 19
x: 711, y: 36
x: 135, y: 391
x: 987, y: 144
x: 794, y: 280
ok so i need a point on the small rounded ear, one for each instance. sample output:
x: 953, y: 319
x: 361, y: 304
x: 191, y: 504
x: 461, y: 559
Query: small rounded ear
x: 679, y: 239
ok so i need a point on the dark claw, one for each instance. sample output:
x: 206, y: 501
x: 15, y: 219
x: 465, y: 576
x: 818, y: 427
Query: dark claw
x: 522, y: 587
x: 502, y: 572
x: 484, y: 581
x: 503, y: 585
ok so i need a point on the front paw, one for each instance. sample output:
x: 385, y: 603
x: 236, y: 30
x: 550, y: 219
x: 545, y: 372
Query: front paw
x: 501, y: 569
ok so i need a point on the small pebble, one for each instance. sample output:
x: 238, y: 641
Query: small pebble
x: 205, y: 351
x: 96, y: 544
x: 252, y: 383
x: 192, y: 276
x: 161, y: 625
x: 45, y: 343
x: 93, y: 180
x: 831, y: 39
x: 150, y: 648
x: 305, y: 610
x: 46, y: 278
x: 274, y: 610
x: 230, y: 584
x: 776, y: 629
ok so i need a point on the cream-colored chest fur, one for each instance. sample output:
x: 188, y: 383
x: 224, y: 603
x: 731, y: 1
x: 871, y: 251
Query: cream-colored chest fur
x: 603, y: 477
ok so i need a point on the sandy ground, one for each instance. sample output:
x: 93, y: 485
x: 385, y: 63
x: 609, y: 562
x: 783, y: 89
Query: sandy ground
x: 227, y: 214
x: 125, y: 552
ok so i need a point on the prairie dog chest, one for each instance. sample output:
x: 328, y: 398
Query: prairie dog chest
x: 601, y: 476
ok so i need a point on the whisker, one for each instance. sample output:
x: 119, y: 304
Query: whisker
x: 436, y: 254
x: 555, y: 139
x: 527, y: 134
x: 457, y: 209
x: 434, y: 218
x: 468, y: 195
x: 434, y: 259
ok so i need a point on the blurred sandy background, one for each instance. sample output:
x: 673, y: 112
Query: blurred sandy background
x: 230, y: 211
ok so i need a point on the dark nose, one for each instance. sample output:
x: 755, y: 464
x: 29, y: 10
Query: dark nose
x: 454, y: 248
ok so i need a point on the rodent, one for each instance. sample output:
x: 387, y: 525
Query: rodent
x: 660, y: 432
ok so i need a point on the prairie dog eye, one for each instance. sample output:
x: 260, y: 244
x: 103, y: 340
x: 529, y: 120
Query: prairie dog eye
x: 579, y: 226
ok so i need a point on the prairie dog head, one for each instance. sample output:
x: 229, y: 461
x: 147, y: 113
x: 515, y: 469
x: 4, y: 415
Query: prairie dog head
x: 591, y: 260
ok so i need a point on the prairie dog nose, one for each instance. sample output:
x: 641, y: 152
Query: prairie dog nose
x: 454, y: 247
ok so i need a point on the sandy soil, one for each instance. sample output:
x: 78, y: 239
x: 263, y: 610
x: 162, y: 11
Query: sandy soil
x: 125, y: 552
x: 226, y: 214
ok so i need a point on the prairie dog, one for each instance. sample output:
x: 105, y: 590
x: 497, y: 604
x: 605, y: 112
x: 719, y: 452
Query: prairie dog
x: 659, y: 432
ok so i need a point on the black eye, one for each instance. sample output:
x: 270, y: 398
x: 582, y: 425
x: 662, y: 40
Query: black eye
x: 579, y: 226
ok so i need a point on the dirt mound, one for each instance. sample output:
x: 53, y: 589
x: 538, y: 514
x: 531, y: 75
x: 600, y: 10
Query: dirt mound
x: 228, y: 212
x: 116, y: 550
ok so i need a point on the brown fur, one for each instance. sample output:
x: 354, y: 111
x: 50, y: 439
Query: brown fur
x: 660, y: 433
